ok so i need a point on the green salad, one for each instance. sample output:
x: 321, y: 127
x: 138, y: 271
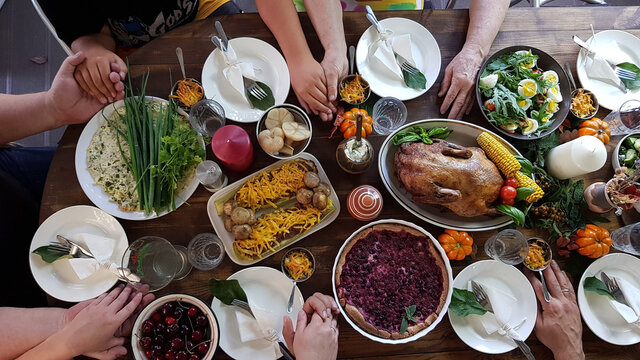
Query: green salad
x: 517, y: 95
x: 629, y: 151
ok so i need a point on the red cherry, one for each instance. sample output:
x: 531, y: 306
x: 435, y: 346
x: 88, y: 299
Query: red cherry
x: 169, y: 320
x: 147, y: 353
x: 147, y: 327
x: 182, y: 355
x: 170, y: 355
x: 194, y: 357
x: 197, y: 335
x: 193, y: 311
x: 203, y: 348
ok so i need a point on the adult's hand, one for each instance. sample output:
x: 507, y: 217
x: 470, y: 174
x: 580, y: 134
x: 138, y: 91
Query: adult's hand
x: 313, y: 340
x: 321, y: 304
x: 94, y: 74
x: 309, y: 84
x: 558, y: 325
x: 458, y: 82
x: 69, y: 103
x: 335, y: 67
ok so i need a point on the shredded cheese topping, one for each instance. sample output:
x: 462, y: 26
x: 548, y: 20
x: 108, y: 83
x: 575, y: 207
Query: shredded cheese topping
x: 582, y: 104
x: 354, y: 91
x: 189, y: 92
x: 298, y: 265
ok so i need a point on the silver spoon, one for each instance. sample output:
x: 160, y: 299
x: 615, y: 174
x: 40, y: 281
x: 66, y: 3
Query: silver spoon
x: 295, y: 282
x: 546, y: 251
x: 352, y: 55
x: 181, y: 61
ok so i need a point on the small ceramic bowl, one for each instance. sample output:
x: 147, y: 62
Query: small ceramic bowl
x: 615, y: 162
x: 367, y: 92
x: 307, y: 253
x: 180, y: 104
x: 596, y: 105
x: 364, y: 203
x: 187, y: 300
x: 300, y: 117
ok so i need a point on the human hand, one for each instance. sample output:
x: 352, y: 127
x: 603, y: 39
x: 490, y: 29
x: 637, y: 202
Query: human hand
x: 321, y: 304
x: 95, y: 75
x: 309, y: 83
x: 317, y: 340
x: 458, y: 82
x: 558, y: 325
x: 335, y: 67
x: 94, y: 329
x: 69, y: 103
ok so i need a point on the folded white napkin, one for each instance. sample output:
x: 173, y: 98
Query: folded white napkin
x: 597, y: 63
x: 102, y: 249
x: 632, y: 295
x: 501, y: 320
x: 234, y: 71
x: 401, y: 44
x: 258, y: 327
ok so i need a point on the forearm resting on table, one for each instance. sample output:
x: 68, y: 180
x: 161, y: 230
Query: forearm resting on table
x: 25, y: 115
x: 102, y: 39
x: 485, y: 18
x: 326, y: 17
x: 23, y: 329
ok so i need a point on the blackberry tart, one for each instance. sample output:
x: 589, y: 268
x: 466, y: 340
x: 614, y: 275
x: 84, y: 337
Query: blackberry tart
x: 384, y: 271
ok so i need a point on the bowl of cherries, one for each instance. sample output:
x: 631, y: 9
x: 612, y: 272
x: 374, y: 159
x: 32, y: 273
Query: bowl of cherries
x: 175, y: 327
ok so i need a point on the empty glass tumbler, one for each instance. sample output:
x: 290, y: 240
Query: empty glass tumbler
x: 626, y: 119
x: 205, y: 251
x: 627, y: 239
x: 388, y: 115
x: 206, y: 117
x: 210, y: 175
x: 509, y: 246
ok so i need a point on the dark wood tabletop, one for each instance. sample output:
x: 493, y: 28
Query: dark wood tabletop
x: 549, y: 29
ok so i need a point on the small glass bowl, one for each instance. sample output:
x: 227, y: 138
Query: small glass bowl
x: 367, y: 91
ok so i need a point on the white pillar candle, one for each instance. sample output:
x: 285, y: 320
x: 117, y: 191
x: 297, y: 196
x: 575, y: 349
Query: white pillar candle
x: 577, y: 157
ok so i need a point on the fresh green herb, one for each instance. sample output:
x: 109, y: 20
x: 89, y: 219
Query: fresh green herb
x: 596, y: 285
x: 408, y: 316
x: 526, y: 167
x: 415, y: 80
x: 464, y: 302
x: 140, y: 257
x: 417, y: 133
x: 523, y: 193
x: 227, y: 290
x: 49, y: 255
x: 631, y: 83
x: 262, y: 104
x: 516, y: 214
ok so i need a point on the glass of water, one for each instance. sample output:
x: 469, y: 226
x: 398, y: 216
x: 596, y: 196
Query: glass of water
x: 388, y: 115
x: 627, y: 239
x: 626, y: 119
x: 207, y: 116
x: 509, y: 246
x: 210, y: 175
x: 205, y: 251
x: 156, y: 262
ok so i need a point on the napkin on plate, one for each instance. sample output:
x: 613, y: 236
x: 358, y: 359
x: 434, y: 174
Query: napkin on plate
x: 501, y: 320
x: 401, y: 44
x: 597, y: 62
x: 258, y: 327
x: 632, y: 295
x: 234, y: 71
x: 101, y: 247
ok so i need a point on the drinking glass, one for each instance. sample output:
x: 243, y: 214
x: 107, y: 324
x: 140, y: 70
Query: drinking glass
x: 156, y: 262
x: 210, y: 175
x: 509, y: 246
x: 627, y: 239
x: 207, y: 116
x: 389, y: 114
x: 626, y: 119
x: 205, y: 251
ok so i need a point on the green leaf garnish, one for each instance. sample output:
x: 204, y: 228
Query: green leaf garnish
x: 227, y: 290
x: 415, y: 81
x: 417, y: 133
x: 596, y: 285
x: 408, y: 315
x: 262, y: 104
x: 516, y: 214
x: 523, y: 192
x: 633, y: 83
x: 49, y: 255
x: 464, y: 302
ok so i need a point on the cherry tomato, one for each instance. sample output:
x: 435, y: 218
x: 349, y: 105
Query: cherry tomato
x: 508, y: 193
x: 490, y: 106
x: 509, y: 202
x: 511, y: 182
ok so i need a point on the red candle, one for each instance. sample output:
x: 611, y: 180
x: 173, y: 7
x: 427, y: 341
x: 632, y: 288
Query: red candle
x: 232, y: 146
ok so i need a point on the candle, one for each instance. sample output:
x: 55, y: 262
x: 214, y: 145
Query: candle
x: 577, y: 157
x: 232, y: 146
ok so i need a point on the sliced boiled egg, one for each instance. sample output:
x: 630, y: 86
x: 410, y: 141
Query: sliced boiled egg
x: 530, y: 127
x: 550, y: 77
x: 510, y: 128
x: 528, y: 64
x: 527, y: 88
x: 524, y: 104
x: 489, y: 81
x: 554, y: 94
x: 552, y: 106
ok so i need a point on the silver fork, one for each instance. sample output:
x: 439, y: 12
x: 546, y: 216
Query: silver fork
x: 624, y: 73
x: 252, y: 87
x: 64, y: 248
x: 405, y: 64
x: 614, y: 289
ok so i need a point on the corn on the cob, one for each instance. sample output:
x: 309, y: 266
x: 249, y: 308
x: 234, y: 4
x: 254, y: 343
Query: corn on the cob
x: 500, y: 155
x: 525, y: 181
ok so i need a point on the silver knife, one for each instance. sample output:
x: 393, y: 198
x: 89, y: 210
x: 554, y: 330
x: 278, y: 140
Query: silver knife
x: 483, y: 299
x: 223, y: 35
x: 588, y: 48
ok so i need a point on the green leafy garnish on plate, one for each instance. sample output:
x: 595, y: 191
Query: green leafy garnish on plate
x: 417, y: 133
x: 262, y: 104
x: 596, y: 285
x: 227, y: 290
x: 631, y: 83
x: 464, y: 302
x: 408, y: 316
x: 415, y: 81
x: 516, y: 214
x: 50, y: 255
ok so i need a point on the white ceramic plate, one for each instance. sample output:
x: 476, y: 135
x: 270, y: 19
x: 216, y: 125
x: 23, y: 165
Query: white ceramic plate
x: 266, y: 287
x: 609, y: 96
x: 596, y: 311
x: 58, y: 278
x: 509, y: 280
x: 227, y: 238
x: 94, y: 192
x: 426, y: 55
x: 270, y: 68
x: 449, y: 289
x: 463, y: 134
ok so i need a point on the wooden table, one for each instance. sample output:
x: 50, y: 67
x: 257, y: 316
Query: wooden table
x: 548, y: 29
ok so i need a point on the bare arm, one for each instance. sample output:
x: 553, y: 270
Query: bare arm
x: 24, y: 329
x: 485, y: 18
x: 102, y: 39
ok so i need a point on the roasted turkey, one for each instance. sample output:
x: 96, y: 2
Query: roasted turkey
x: 461, y: 179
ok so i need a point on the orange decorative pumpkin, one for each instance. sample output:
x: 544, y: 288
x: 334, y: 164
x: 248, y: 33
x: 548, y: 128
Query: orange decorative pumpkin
x: 457, y: 244
x: 595, y: 127
x: 348, y: 126
x: 593, y: 241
